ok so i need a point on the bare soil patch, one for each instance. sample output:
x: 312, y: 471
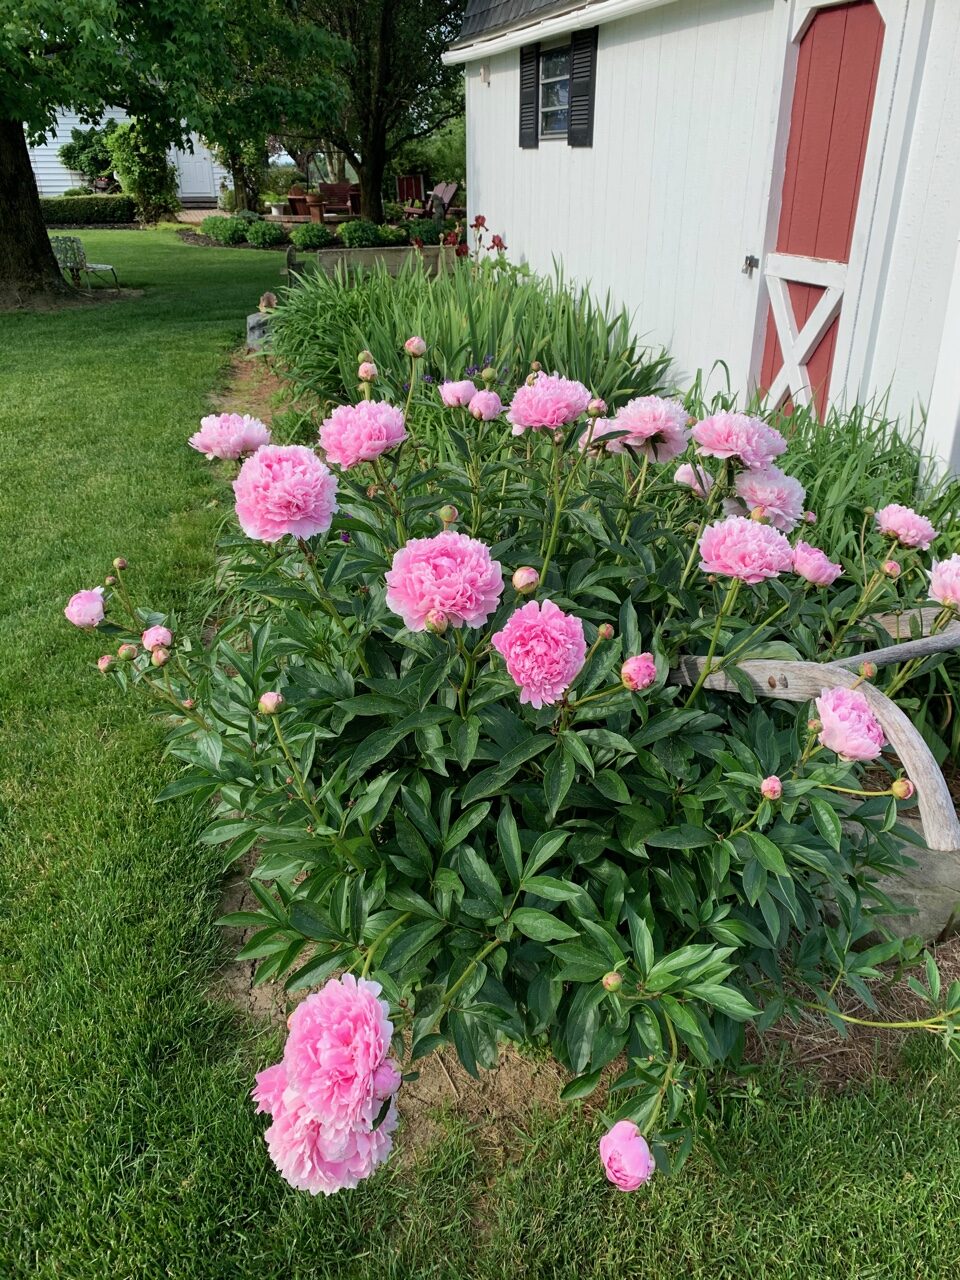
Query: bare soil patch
x: 70, y: 301
x: 251, y: 387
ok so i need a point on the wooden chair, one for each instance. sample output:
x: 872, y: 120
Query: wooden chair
x: 440, y: 198
x: 411, y: 189
x: 72, y: 260
x: 335, y: 197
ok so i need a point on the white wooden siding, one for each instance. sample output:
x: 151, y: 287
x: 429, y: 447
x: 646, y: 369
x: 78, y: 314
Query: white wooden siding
x: 53, y: 179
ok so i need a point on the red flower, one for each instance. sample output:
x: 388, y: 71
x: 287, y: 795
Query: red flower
x: 462, y: 250
x: 451, y: 237
x: 496, y: 242
x: 478, y: 223
x: 417, y: 242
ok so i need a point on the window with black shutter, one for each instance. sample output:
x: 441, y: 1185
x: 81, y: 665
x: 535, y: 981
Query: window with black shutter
x: 530, y: 95
x: 557, y: 89
x: 583, y: 79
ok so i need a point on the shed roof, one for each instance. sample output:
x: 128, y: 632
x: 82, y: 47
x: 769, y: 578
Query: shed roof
x: 484, y: 17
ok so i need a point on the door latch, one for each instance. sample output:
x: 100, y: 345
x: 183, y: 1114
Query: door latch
x: 750, y: 264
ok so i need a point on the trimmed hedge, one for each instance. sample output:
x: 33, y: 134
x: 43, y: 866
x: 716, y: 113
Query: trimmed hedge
x: 83, y: 211
x: 311, y: 235
x: 224, y: 230
x: 265, y: 235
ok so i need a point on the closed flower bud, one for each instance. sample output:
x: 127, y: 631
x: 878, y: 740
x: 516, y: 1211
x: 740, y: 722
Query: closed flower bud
x: 159, y: 657
x: 127, y: 652
x: 810, y: 517
x: 605, y: 631
x: 189, y: 703
x: 372, y: 490
x: 868, y: 670
x: 891, y: 568
x: 367, y: 371
x: 488, y: 374
x: 270, y: 703
x: 448, y: 514
x: 110, y: 580
x: 415, y: 347
x: 364, y: 356
x: 771, y: 788
x: 758, y: 513
x: 814, y: 725
x: 869, y: 511
x: 903, y: 789
x: 535, y: 366
x: 436, y: 621
x: 344, y: 535
x: 119, y: 563
x: 638, y: 672
x: 612, y: 981
x: 106, y: 663
x: 525, y: 579
x: 596, y: 408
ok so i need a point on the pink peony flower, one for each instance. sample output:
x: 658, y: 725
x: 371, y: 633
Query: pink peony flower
x: 742, y: 548
x: 228, y: 435
x: 945, y: 582
x: 284, y: 489
x: 544, y: 649
x: 367, y: 372
x: 735, y: 435
x: 155, y: 637
x: 270, y: 702
x: 485, y: 406
x: 415, y: 347
x: 638, y: 672
x: 779, y: 497
x: 848, y: 726
x: 908, y: 527
x: 546, y: 401
x: 811, y: 563
x: 457, y: 395
x: 525, y: 579
x: 450, y: 573
x: 627, y: 1160
x: 696, y: 478
x: 338, y: 1038
x: 655, y: 427
x: 771, y: 788
x: 386, y: 1080
x: 85, y: 608
x: 106, y: 663
x: 361, y: 432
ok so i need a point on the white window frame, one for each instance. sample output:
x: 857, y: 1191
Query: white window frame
x: 541, y: 82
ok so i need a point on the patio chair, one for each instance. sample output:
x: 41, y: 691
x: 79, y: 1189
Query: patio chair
x: 335, y: 197
x: 441, y: 197
x: 72, y: 260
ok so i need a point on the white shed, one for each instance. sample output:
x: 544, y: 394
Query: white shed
x: 774, y: 184
x: 198, y: 172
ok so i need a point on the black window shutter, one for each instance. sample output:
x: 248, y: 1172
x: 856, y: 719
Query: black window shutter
x: 583, y: 79
x: 530, y: 95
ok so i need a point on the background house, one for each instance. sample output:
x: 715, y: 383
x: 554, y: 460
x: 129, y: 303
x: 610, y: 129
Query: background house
x: 774, y: 184
x: 199, y: 173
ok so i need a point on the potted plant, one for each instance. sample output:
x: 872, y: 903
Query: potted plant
x: 276, y: 204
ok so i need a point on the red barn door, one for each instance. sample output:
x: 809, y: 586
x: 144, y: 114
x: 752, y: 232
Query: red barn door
x: 837, y: 64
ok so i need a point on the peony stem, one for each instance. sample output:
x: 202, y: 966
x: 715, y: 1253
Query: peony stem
x: 375, y: 944
x: 707, y: 670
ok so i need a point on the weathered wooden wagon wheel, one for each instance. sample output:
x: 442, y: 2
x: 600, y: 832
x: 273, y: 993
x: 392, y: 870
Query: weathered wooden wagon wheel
x: 933, y: 886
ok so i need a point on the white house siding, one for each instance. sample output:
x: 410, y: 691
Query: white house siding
x: 664, y: 206
x: 200, y: 175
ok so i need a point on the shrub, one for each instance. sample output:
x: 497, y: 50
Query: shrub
x: 393, y: 235
x: 311, y: 235
x: 265, y: 235
x: 247, y: 215
x: 359, y: 234
x: 478, y: 770
x: 474, y: 316
x: 145, y: 172
x: 225, y: 230
x: 281, y: 177
x: 88, y: 152
x: 84, y: 211
x: 76, y: 191
x: 393, y: 210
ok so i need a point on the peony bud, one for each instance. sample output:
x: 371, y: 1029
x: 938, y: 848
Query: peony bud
x: 159, y: 656
x: 903, y: 789
x: 415, y: 347
x: 270, y: 703
x: 127, y: 652
x: 157, y: 637
x: 436, y: 621
x: 119, y: 563
x: 810, y: 517
x: 891, y: 568
x: 525, y: 579
x: 488, y: 374
x: 110, y: 580
x: 605, y: 631
x: 771, y: 788
x: 106, y: 663
x: 367, y: 371
x: 758, y: 513
x: 867, y: 670
x: 612, y: 981
x: 448, y: 514
x: 535, y: 366
x: 814, y: 726
x: 364, y: 356
x: 372, y: 490
x: 596, y: 408
x: 189, y: 703
x: 638, y: 672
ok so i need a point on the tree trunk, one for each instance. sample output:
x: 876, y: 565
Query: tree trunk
x: 239, y: 174
x: 371, y: 180
x: 27, y: 264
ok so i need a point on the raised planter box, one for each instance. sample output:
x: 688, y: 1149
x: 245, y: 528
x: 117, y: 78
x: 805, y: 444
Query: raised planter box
x: 932, y: 887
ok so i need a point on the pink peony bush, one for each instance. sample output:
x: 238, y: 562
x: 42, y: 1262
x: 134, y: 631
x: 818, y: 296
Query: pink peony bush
x: 557, y: 810
x: 229, y: 435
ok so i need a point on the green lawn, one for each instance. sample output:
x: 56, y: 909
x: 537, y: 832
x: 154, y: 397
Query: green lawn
x: 128, y: 1146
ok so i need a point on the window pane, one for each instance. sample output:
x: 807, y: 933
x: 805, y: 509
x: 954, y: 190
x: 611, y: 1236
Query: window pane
x: 553, y: 122
x: 556, y: 93
x: 555, y: 62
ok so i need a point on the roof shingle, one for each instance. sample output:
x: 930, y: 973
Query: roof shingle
x: 484, y: 17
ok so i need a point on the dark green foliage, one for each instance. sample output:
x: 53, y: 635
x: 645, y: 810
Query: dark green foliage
x: 279, y: 178
x: 87, y: 152
x: 80, y: 211
x: 227, y: 231
x: 359, y: 234
x: 311, y: 235
x: 144, y: 171
x: 266, y: 235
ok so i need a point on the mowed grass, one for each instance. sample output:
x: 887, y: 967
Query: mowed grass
x: 129, y: 1148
